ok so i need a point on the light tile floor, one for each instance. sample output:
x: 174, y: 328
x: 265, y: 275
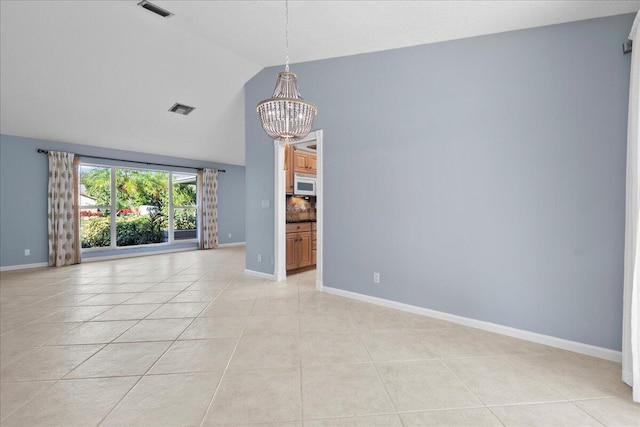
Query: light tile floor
x: 189, y: 339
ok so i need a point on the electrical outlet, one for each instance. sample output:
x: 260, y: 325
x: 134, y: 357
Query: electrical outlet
x: 229, y: 235
x: 376, y: 277
x: 265, y: 203
x: 27, y: 252
x: 259, y: 258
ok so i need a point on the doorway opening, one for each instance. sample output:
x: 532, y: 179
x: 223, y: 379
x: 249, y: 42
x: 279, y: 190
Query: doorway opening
x: 309, y: 217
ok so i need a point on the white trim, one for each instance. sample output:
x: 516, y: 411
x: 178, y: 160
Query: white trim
x: 279, y: 240
x: 627, y: 377
x: 319, y: 209
x: 280, y: 243
x: 259, y: 274
x: 228, y: 245
x: 24, y: 266
x: 589, y: 350
x: 136, y: 254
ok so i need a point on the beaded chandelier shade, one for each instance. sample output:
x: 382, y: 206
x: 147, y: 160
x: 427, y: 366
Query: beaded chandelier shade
x: 286, y: 116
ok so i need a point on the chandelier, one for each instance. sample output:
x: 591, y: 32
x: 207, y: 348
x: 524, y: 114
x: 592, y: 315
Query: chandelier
x: 286, y: 116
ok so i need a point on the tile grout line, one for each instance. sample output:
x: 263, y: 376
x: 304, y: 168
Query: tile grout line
x: 301, y: 412
x: 393, y: 405
x: 226, y: 368
x: 151, y: 367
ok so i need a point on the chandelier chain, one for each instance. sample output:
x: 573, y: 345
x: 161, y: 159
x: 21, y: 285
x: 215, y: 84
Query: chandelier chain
x: 286, y: 116
x: 286, y: 35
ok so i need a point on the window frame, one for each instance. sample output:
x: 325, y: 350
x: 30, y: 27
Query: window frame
x: 113, y: 232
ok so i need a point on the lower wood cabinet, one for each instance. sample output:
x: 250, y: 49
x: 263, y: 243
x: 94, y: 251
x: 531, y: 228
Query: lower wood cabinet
x: 300, y: 246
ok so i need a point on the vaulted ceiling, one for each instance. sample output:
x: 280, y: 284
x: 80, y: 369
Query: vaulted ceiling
x: 105, y: 73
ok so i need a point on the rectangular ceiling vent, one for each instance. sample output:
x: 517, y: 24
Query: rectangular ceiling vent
x: 155, y: 9
x: 181, y: 109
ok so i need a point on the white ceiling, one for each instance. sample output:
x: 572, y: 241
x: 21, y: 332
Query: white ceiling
x: 105, y: 73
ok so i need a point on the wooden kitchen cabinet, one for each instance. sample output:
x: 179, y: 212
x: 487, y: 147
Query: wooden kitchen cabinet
x: 304, y: 249
x: 299, y: 245
x: 288, y: 172
x: 312, y: 162
x: 314, y: 244
x: 291, y: 249
x: 304, y: 162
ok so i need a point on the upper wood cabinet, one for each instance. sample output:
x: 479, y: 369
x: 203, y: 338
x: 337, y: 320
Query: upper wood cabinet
x: 312, y: 161
x: 288, y: 172
x: 304, y: 162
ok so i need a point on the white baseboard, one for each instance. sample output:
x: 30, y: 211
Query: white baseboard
x: 24, y: 266
x: 259, y: 274
x: 577, y: 347
x: 228, y: 245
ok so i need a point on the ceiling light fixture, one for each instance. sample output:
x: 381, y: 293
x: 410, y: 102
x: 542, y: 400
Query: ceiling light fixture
x: 286, y: 116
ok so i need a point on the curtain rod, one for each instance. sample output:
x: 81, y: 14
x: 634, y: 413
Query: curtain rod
x: 40, y: 150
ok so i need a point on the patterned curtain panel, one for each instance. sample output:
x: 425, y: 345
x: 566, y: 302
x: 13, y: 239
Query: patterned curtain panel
x: 64, y: 236
x: 208, y: 218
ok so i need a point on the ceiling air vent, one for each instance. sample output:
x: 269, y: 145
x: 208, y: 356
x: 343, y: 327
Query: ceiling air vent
x: 181, y: 109
x: 155, y: 9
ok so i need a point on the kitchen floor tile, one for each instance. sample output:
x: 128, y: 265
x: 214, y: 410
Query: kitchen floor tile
x: 228, y: 308
x: 16, y: 395
x: 195, y: 296
x: 178, y: 310
x: 189, y: 338
x: 343, y: 390
x: 214, y: 327
x: 497, y: 381
x: 108, y: 299
x: 93, y: 333
x: 272, y: 325
x: 480, y: 417
x: 391, y: 420
x: 72, y: 402
x: 399, y: 345
x: 155, y: 330
x: 330, y: 322
x: 35, y: 334
x: 425, y: 385
x: 258, y: 352
x: 47, y: 363
x: 121, y: 359
x: 168, y: 400
x: 275, y: 307
x: 612, y: 412
x: 244, y: 397
x: 75, y: 314
x: 318, y: 349
x: 547, y: 414
x: 575, y: 376
x: 151, y: 298
x: 128, y: 312
x: 196, y: 356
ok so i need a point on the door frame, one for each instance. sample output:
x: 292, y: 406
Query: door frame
x: 280, y: 249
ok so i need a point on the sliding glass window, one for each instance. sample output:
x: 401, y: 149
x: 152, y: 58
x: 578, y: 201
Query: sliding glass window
x: 124, y: 207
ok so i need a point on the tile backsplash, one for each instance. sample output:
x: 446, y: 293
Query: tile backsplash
x: 301, y: 209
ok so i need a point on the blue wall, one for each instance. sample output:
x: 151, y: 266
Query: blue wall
x: 482, y: 177
x: 23, y: 196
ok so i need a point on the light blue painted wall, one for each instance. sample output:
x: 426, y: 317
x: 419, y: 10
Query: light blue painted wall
x: 23, y: 196
x: 482, y: 177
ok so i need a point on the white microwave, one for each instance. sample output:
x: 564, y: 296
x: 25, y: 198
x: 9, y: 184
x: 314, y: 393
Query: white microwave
x: 304, y: 185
